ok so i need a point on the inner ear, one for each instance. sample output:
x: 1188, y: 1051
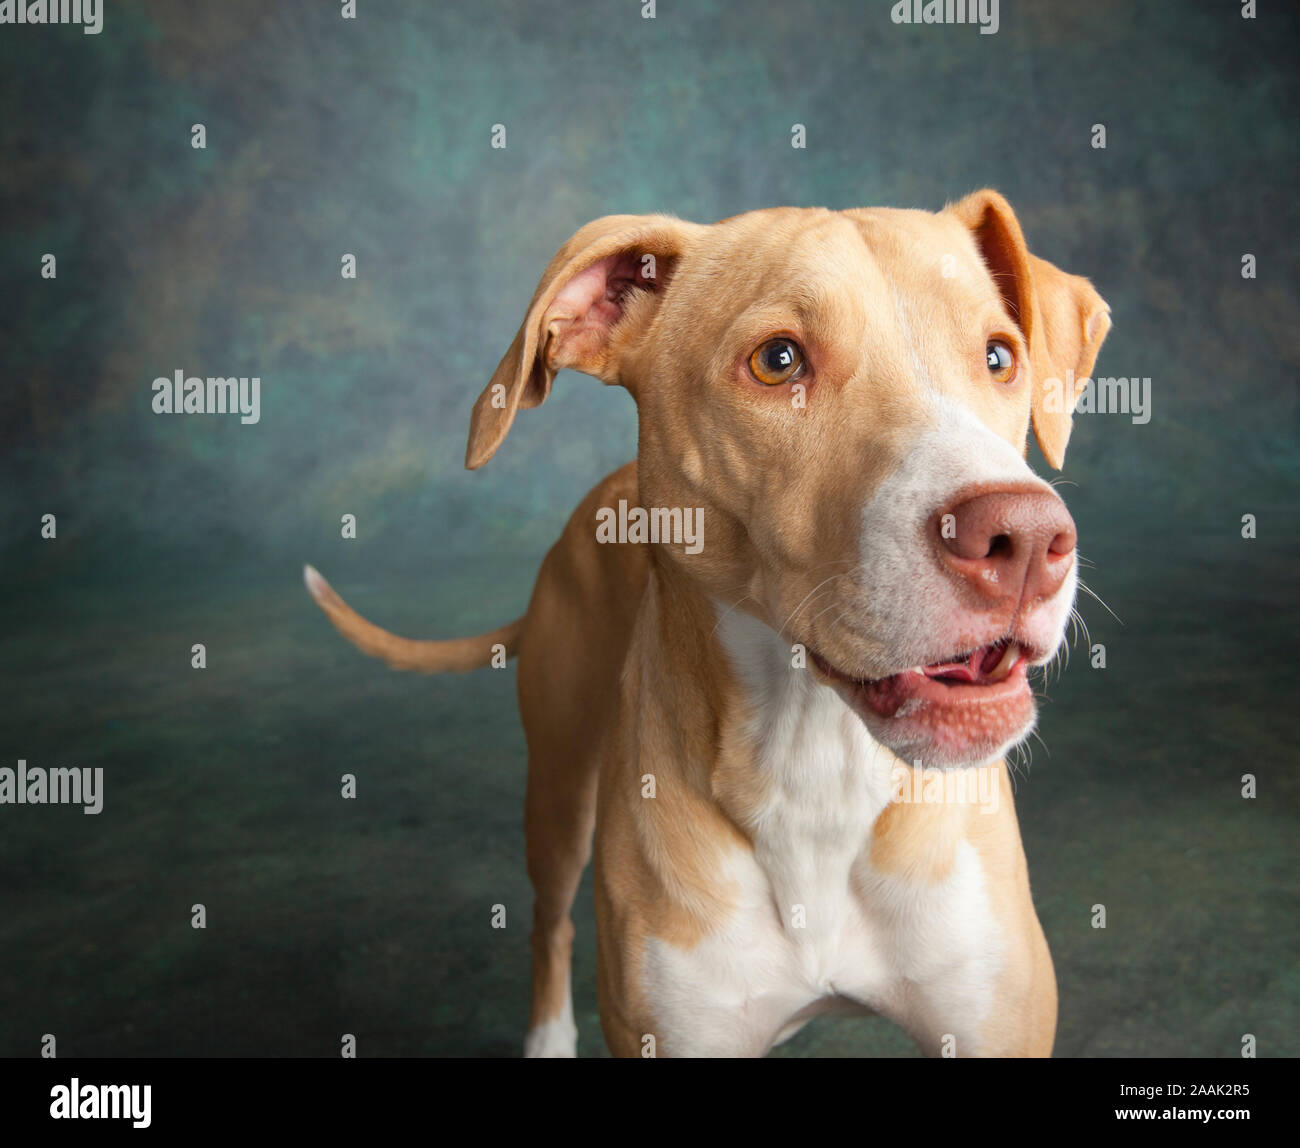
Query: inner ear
x: 1010, y: 273
x: 1001, y: 245
x: 581, y: 319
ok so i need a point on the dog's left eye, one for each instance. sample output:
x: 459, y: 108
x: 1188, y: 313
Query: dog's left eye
x: 1001, y: 360
x: 776, y: 361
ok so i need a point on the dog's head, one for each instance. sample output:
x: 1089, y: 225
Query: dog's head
x: 847, y: 395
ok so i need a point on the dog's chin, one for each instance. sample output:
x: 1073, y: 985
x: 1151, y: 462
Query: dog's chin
x: 953, y: 715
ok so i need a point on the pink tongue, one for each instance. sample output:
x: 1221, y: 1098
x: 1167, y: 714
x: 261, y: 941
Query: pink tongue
x: 981, y: 662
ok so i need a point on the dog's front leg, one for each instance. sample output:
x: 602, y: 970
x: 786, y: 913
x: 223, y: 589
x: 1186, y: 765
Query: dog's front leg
x: 970, y: 1014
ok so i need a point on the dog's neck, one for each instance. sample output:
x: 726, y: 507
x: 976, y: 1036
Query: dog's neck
x: 755, y: 734
x: 750, y: 719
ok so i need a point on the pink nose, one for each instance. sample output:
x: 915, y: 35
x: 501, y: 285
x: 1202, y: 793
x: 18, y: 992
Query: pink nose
x: 1009, y: 545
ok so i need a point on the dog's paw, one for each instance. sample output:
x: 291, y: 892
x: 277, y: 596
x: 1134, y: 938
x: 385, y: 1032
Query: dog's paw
x: 554, y: 1038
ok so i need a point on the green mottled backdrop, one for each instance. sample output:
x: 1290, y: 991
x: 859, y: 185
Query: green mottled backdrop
x: 371, y: 136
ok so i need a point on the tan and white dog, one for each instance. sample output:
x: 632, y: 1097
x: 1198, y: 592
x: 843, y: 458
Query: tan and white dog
x: 843, y: 399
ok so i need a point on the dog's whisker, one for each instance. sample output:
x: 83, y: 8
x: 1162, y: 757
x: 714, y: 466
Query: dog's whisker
x: 1039, y: 738
x: 785, y: 626
x: 842, y: 615
x: 1081, y: 623
x: 729, y: 611
x: 821, y: 594
x: 823, y: 611
x: 1093, y: 594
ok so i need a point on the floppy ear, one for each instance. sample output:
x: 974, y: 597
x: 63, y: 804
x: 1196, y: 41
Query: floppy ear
x: 1071, y: 322
x: 598, y: 294
x: 1062, y: 317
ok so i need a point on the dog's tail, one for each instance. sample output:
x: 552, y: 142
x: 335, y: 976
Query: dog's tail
x: 426, y: 657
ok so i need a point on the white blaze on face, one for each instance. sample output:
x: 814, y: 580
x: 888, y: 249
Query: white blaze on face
x: 914, y: 605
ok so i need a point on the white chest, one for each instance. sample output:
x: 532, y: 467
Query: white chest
x: 817, y: 928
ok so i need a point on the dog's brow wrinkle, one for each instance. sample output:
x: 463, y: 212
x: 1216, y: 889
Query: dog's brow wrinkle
x: 922, y: 375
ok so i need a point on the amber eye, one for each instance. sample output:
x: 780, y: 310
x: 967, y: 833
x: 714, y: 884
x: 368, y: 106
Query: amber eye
x: 776, y: 361
x: 1001, y: 360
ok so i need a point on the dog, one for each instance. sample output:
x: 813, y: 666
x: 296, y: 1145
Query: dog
x: 747, y: 730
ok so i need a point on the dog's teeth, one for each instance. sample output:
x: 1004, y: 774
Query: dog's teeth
x: 917, y: 670
x: 1008, y: 659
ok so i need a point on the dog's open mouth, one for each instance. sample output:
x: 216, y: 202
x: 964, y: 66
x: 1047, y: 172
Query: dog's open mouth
x: 987, y: 665
x: 993, y: 672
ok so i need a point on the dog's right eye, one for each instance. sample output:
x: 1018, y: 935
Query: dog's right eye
x: 776, y: 361
x: 1001, y: 360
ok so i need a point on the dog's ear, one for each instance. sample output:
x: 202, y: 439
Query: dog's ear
x: 1070, y: 324
x: 599, y: 292
x: 1062, y: 317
